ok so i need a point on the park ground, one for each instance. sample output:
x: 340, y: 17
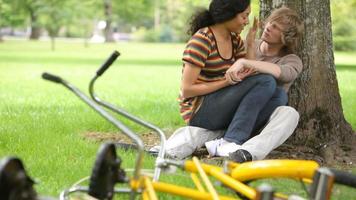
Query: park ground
x: 48, y: 127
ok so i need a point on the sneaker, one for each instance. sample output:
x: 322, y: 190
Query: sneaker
x: 221, y: 147
x: 212, y: 145
x: 240, y: 156
x: 154, y: 151
x: 225, y: 148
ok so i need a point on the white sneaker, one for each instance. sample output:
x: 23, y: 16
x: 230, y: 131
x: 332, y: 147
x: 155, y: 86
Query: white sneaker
x: 212, y: 145
x: 225, y: 148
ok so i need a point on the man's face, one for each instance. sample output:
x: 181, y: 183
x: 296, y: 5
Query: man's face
x: 238, y: 23
x: 272, y: 33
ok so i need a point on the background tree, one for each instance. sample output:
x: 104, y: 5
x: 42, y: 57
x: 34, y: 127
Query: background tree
x: 108, y: 32
x: 33, y: 9
x: 315, y: 94
x: 55, y: 14
x: 344, y: 20
x: 7, y: 17
x: 126, y: 13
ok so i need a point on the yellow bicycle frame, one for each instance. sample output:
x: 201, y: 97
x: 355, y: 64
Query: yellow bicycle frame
x: 296, y: 169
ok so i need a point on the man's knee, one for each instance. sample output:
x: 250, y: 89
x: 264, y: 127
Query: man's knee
x: 281, y: 97
x: 288, y: 113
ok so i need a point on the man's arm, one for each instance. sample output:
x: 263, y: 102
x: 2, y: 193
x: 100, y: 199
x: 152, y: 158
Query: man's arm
x: 257, y: 66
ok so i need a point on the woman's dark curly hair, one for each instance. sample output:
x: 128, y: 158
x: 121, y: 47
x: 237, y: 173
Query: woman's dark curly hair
x: 219, y: 11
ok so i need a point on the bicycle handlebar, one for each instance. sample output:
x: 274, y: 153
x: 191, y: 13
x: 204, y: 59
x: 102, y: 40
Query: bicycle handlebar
x: 344, y: 178
x: 107, y: 116
x: 51, y: 77
x: 108, y: 63
x: 127, y: 115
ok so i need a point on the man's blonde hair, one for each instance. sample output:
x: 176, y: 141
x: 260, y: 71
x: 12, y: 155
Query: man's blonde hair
x: 292, y: 27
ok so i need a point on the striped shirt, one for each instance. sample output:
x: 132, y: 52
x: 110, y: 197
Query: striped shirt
x: 202, y: 51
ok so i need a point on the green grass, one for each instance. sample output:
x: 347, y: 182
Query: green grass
x: 346, y: 73
x: 43, y: 123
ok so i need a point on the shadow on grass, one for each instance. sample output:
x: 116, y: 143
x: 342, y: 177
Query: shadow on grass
x: 341, y: 67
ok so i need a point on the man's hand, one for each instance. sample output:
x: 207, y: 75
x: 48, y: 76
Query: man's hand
x: 237, y: 72
x: 246, y: 72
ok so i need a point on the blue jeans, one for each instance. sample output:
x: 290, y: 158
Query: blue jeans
x: 279, y: 98
x: 236, y: 108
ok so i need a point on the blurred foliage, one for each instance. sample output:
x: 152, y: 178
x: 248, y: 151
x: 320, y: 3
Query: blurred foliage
x: 343, y: 24
x: 148, y: 20
x: 7, y: 18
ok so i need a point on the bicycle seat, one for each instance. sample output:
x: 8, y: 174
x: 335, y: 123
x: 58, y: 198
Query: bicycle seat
x: 106, y: 173
x: 15, y: 184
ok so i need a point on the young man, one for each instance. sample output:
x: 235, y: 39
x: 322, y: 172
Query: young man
x: 273, y: 55
x: 275, y: 50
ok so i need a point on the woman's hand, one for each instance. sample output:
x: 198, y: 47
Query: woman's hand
x: 231, y: 74
x: 251, y: 35
x: 250, y: 40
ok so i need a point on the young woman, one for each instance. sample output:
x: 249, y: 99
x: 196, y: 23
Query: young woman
x: 209, y: 97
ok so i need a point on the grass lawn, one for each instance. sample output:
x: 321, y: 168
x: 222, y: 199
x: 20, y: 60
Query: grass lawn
x: 44, y: 124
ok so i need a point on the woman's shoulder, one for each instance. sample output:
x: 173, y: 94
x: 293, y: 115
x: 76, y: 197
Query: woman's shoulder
x: 204, y: 33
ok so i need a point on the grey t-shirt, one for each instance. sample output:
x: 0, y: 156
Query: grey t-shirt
x: 291, y: 66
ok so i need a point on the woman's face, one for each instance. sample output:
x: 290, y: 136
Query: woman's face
x: 272, y: 33
x: 238, y: 23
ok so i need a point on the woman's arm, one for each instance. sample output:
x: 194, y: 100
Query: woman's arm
x: 189, y: 87
x: 250, y: 40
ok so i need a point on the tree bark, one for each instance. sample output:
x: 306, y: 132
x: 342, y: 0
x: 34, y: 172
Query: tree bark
x: 108, y: 15
x: 315, y: 94
x: 35, y: 29
x: 157, y: 15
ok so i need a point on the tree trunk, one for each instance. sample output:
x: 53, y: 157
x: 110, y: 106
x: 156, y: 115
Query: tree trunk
x: 157, y: 15
x: 315, y: 94
x: 53, y: 43
x: 108, y: 15
x: 35, y: 29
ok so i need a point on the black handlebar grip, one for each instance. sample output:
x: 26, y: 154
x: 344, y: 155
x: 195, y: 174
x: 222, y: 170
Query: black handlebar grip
x: 52, y: 78
x: 344, y: 178
x: 108, y: 62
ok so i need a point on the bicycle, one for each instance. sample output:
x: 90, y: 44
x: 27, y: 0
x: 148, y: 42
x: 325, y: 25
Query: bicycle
x: 107, y: 172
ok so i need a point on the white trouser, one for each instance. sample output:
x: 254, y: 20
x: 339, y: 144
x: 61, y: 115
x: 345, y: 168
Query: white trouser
x: 280, y: 126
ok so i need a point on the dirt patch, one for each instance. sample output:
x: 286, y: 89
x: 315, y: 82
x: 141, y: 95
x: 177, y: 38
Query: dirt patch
x: 332, y: 156
x: 150, y: 139
x: 337, y: 156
